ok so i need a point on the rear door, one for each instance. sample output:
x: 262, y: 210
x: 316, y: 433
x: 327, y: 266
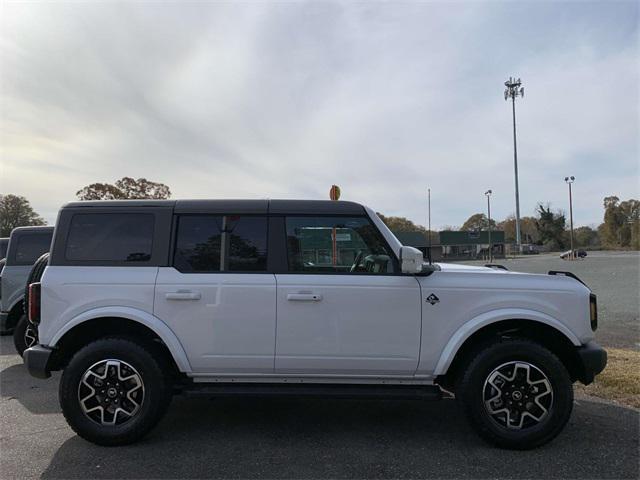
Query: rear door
x: 343, y: 307
x: 217, y: 296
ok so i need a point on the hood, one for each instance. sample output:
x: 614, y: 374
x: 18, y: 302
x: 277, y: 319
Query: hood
x: 457, y: 267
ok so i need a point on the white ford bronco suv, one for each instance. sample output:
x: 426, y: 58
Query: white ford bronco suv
x: 142, y: 299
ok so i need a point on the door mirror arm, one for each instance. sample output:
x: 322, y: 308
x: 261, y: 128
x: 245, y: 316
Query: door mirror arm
x: 428, y: 269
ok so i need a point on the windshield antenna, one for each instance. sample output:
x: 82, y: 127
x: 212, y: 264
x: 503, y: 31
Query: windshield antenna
x: 429, y: 228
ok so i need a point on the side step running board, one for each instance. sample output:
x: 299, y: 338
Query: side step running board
x: 400, y: 392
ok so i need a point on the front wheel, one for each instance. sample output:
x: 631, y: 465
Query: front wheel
x: 113, y: 392
x: 517, y: 394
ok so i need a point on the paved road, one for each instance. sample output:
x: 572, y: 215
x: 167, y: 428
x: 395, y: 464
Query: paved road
x: 202, y: 438
x: 613, y: 276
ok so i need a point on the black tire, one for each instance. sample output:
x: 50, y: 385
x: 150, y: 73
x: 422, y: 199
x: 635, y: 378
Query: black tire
x: 514, y: 355
x: 34, y: 276
x: 24, y: 335
x: 156, y: 392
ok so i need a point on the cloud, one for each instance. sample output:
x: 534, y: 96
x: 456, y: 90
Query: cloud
x: 282, y: 100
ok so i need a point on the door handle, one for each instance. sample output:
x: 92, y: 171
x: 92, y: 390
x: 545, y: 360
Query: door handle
x: 183, y: 295
x: 304, y: 297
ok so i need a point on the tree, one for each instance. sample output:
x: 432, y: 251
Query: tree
x: 551, y: 227
x: 15, y: 211
x: 621, y: 223
x: 477, y: 222
x: 630, y: 212
x: 612, y: 221
x: 585, y: 237
x: 125, y: 188
x: 401, y: 224
x: 528, y: 229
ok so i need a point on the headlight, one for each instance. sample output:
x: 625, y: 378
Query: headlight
x: 593, y: 311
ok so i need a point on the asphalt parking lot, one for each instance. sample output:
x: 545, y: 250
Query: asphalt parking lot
x: 251, y: 438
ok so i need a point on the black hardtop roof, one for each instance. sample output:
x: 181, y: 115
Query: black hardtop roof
x: 32, y: 229
x: 120, y: 203
x: 233, y: 206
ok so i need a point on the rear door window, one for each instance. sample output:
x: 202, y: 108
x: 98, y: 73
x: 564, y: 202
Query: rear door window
x: 31, y: 246
x: 221, y: 243
x: 110, y: 237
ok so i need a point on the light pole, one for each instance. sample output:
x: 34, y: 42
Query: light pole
x: 429, y: 245
x: 513, y: 90
x: 488, y: 194
x: 569, y: 181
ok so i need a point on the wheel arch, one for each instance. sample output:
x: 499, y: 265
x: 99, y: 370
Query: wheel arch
x: 130, y: 322
x: 536, y: 326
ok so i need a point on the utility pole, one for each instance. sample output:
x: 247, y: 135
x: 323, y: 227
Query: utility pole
x: 569, y: 181
x: 488, y: 194
x: 513, y: 90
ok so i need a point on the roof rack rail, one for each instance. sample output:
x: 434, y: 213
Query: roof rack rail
x: 567, y: 274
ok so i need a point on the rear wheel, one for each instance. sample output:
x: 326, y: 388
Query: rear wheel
x: 517, y: 394
x: 25, y: 335
x: 114, y: 391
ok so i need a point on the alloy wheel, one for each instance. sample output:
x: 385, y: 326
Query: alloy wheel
x: 30, y: 336
x: 111, y: 392
x: 517, y: 395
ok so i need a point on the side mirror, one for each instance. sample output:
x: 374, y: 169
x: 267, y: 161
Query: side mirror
x: 411, y: 260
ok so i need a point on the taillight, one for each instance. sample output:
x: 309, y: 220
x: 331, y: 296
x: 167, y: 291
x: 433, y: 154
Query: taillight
x: 34, y: 303
x: 593, y: 311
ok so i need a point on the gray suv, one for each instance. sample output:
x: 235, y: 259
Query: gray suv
x: 4, y: 243
x: 25, y: 246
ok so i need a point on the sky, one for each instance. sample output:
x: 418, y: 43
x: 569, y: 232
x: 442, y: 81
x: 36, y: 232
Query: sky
x: 282, y: 100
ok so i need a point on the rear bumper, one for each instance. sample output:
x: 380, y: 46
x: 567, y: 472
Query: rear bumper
x: 592, y: 359
x: 37, y: 359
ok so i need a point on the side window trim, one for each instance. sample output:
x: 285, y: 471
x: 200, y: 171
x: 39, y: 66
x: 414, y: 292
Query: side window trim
x: 287, y: 269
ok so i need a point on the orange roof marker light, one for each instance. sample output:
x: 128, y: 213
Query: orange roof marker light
x: 334, y: 192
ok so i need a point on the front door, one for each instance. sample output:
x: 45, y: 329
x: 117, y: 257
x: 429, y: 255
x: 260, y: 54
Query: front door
x: 217, y: 297
x: 343, y: 308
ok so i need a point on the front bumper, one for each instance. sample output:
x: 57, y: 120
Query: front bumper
x: 592, y: 359
x: 38, y: 360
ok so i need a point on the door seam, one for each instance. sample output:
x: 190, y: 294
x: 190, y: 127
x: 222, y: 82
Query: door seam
x: 275, y: 336
x: 421, y: 327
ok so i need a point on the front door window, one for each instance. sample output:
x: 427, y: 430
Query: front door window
x: 336, y: 245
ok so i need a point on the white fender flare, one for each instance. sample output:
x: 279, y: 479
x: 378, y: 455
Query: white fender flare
x: 153, y: 323
x: 484, y: 319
